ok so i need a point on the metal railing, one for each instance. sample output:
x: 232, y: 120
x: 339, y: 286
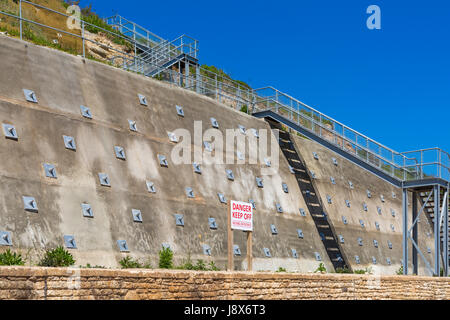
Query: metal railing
x: 405, y: 166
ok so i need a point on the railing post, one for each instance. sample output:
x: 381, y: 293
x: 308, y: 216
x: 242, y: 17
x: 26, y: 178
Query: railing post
x: 20, y: 15
x: 82, y: 39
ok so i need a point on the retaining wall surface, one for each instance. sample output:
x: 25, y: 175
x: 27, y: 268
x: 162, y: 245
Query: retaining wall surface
x: 62, y: 83
x: 363, y: 181
x: 60, y: 283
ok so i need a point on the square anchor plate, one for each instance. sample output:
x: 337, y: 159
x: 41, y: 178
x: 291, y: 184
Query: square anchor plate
x: 291, y: 169
x: 151, y: 187
x: 50, y: 171
x: 388, y: 261
x: 360, y: 242
x: 120, y: 153
x: 242, y: 129
x: 230, y: 175
x: 313, y: 174
x: 180, y: 111
x: 347, y: 203
x: 294, y: 253
x: 208, y: 146
x: 369, y: 194
x: 318, y: 257
x: 389, y: 244
x: 190, y: 192
x: 267, y: 162
x: 302, y: 212
x: 69, y: 242
x: 30, y: 204
x: 179, y: 220
x: 206, y: 250
x: 163, y: 161
x: 335, y: 162
x: 197, y: 168
x: 279, y: 208
x: 255, y: 132
x: 377, y: 225
x: 87, y: 210
x: 357, y: 260
x: 341, y: 239
x: 214, y: 123
x: 123, y: 246
x: 351, y: 185
x: 69, y: 142
x: 375, y: 243
x: 253, y: 203
x: 143, y: 100
x: 10, y: 131
x: 333, y: 181
x: 329, y: 199
x: 300, y: 233
x: 166, y: 246
x: 393, y: 212
x: 212, y: 223
x: 379, y: 210
x: 240, y: 155
x: 236, y: 250
x: 365, y: 206
x: 172, y: 137
x: 104, y: 180
x: 382, y: 198
x: 30, y: 95
x: 315, y: 155
x: 222, y: 198
x: 374, y: 260
x: 361, y: 222
x: 273, y: 229
x: 137, y: 215
x: 5, y: 238
x: 132, y: 125
x: 267, y: 252
x: 259, y: 183
x: 285, y: 187
x: 344, y: 220
x: 86, y: 112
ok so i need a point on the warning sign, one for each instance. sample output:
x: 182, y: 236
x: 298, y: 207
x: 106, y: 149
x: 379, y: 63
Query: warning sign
x: 241, y: 216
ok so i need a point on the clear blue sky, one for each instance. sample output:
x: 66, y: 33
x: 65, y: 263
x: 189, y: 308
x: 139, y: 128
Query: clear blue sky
x: 391, y: 84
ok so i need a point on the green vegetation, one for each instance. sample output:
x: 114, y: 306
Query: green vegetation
x: 131, y: 263
x: 281, y: 269
x: 343, y: 270
x: 166, y: 258
x: 9, y: 258
x: 399, y: 272
x: 321, y: 268
x: 199, y: 266
x: 57, y: 258
x: 88, y: 266
x: 244, y: 109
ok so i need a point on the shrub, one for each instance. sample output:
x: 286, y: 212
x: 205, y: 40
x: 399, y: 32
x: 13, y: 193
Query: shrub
x: 166, y: 258
x: 57, y: 258
x: 399, y: 272
x: 281, y: 269
x: 130, y: 263
x: 9, y: 258
x: 321, y: 268
x: 200, y: 266
x: 343, y: 270
x: 244, y: 108
x: 88, y: 266
x: 213, y: 267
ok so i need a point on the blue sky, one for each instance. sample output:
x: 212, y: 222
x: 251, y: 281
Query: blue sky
x: 390, y: 84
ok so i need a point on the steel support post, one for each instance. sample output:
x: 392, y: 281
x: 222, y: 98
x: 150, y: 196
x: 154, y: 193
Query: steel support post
x: 82, y: 39
x: 437, y: 231
x: 415, y: 234
x: 186, y: 74
x: 405, y: 230
x: 445, y: 249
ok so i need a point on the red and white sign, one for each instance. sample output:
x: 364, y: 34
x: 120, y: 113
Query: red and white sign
x: 241, y: 216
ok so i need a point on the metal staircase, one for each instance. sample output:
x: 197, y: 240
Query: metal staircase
x: 312, y: 198
x: 426, y: 198
x: 154, y: 54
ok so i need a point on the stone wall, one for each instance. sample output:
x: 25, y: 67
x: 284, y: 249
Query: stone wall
x: 62, y: 283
